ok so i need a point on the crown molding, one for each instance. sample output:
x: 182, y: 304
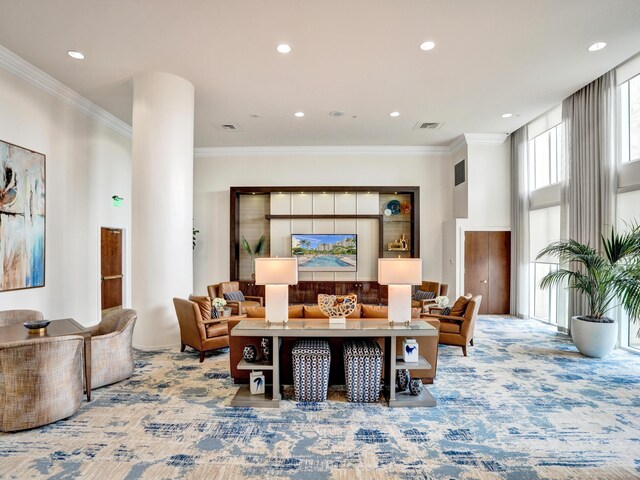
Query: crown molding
x: 485, y: 139
x: 22, y: 69
x: 372, y: 151
x: 459, y: 143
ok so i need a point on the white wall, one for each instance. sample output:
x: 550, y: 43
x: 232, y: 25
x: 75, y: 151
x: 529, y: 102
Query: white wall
x: 86, y: 163
x: 214, y: 175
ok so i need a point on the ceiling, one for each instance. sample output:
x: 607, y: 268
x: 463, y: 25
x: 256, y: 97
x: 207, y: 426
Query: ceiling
x: 359, y: 57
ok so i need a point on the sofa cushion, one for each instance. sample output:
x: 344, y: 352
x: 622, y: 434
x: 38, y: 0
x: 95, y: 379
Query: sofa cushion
x: 295, y: 311
x: 204, y: 304
x: 236, y: 296
x: 458, y: 308
x: 422, y: 295
x: 382, y: 311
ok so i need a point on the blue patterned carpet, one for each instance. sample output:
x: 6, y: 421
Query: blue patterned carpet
x: 523, y: 405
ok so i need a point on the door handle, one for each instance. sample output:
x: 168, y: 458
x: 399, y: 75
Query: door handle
x: 112, y: 277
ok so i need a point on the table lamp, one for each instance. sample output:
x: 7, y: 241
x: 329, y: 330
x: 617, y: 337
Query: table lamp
x: 399, y: 274
x: 276, y: 274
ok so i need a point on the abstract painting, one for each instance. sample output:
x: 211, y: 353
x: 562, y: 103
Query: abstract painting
x: 22, y: 217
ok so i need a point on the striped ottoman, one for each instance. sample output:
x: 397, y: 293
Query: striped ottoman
x: 311, y: 360
x: 362, y: 370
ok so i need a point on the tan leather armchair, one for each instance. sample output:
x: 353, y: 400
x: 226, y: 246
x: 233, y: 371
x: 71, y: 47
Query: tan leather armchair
x: 197, y: 329
x: 46, y: 388
x: 212, y: 290
x: 458, y: 331
x: 16, y: 317
x: 111, y: 348
x: 238, y: 308
x: 438, y: 289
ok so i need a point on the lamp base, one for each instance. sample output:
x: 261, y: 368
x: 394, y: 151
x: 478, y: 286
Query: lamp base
x: 399, y: 304
x: 277, y: 303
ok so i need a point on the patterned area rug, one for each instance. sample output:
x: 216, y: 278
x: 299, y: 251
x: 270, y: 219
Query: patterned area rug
x: 523, y: 405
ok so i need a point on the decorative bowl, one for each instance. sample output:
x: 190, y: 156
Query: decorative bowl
x: 37, y: 325
x: 394, y: 206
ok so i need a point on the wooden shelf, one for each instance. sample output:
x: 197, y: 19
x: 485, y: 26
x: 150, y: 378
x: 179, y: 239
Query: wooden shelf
x: 244, y: 398
x: 405, y: 399
x: 259, y: 365
x: 419, y: 365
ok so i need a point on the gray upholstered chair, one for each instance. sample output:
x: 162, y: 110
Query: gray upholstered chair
x: 111, y: 348
x: 16, y: 317
x: 41, y: 381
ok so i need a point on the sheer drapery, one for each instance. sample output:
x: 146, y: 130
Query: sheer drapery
x: 519, y: 224
x: 588, y: 188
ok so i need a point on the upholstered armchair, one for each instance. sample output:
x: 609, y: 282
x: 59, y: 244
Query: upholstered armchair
x: 238, y: 307
x: 41, y: 381
x: 111, y: 348
x: 197, y: 329
x: 458, y: 330
x: 438, y: 289
x: 16, y: 317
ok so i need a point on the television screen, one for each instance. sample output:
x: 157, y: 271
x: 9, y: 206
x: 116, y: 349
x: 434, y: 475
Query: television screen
x: 325, y: 252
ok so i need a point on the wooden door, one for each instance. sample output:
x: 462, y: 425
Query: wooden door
x: 111, y: 268
x: 487, y: 269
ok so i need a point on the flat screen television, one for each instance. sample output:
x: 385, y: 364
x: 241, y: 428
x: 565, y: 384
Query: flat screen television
x: 325, y: 252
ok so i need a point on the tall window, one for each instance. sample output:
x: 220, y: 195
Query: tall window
x: 630, y: 120
x: 544, y: 228
x: 545, y: 152
x: 628, y: 211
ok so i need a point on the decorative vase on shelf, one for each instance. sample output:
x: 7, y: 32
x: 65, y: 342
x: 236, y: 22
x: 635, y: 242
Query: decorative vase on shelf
x: 402, y: 379
x: 250, y: 353
x: 415, y: 386
x: 266, y: 349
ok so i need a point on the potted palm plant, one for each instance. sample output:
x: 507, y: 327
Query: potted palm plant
x: 607, y: 280
x: 254, y: 252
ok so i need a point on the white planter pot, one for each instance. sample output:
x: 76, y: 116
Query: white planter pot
x: 594, y: 339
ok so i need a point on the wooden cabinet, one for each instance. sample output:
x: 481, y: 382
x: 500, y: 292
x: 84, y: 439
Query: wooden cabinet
x: 307, y: 292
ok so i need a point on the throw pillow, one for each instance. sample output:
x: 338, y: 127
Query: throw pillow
x: 446, y: 311
x: 458, y: 308
x: 422, y: 295
x: 234, y: 296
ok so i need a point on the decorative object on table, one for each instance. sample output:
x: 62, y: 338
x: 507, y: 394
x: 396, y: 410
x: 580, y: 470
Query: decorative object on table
x: 442, y: 301
x: 254, y: 251
x: 400, y: 274
x: 395, y: 206
x: 218, y: 305
x: 276, y: 274
x: 410, y: 350
x: 337, y: 307
x: 250, y: 353
x: 37, y: 326
x: 256, y: 383
x: 415, y: 386
x: 606, y: 279
x: 405, y: 208
x: 265, y: 347
x: 403, y: 376
x: 400, y: 245
x: 226, y: 312
x: 22, y: 216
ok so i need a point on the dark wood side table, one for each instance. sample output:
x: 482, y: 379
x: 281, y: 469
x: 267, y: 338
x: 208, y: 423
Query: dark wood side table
x: 57, y: 328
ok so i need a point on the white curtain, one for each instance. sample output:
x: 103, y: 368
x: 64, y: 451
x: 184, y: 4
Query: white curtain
x: 519, y: 224
x: 588, y: 189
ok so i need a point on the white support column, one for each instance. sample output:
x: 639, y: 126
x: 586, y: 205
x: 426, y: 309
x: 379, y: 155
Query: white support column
x: 162, y: 206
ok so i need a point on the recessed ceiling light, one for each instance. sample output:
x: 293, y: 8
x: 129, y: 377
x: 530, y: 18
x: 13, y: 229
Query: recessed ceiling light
x: 76, y: 55
x: 299, y: 114
x: 507, y: 115
x: 597, y: 46
x: 395, y: 114
x: 284, y: 48
x: 427, y: 46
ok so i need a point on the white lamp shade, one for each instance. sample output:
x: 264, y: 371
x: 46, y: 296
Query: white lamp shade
x: 276, y: 271
x: 399, y: 271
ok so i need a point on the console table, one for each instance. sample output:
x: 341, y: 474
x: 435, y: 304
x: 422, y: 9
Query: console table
x: 322, y: 329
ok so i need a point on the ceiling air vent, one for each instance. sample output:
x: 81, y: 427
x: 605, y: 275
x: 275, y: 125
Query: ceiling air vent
x: 428, y: 125
x: 229, y: 127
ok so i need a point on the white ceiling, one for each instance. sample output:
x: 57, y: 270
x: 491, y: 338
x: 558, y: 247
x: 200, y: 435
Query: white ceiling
x: 360, y: 57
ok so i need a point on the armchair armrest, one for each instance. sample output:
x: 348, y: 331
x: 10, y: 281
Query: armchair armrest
x: 446, y: 318
x: 255, y: 298
x: 214, y: 320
